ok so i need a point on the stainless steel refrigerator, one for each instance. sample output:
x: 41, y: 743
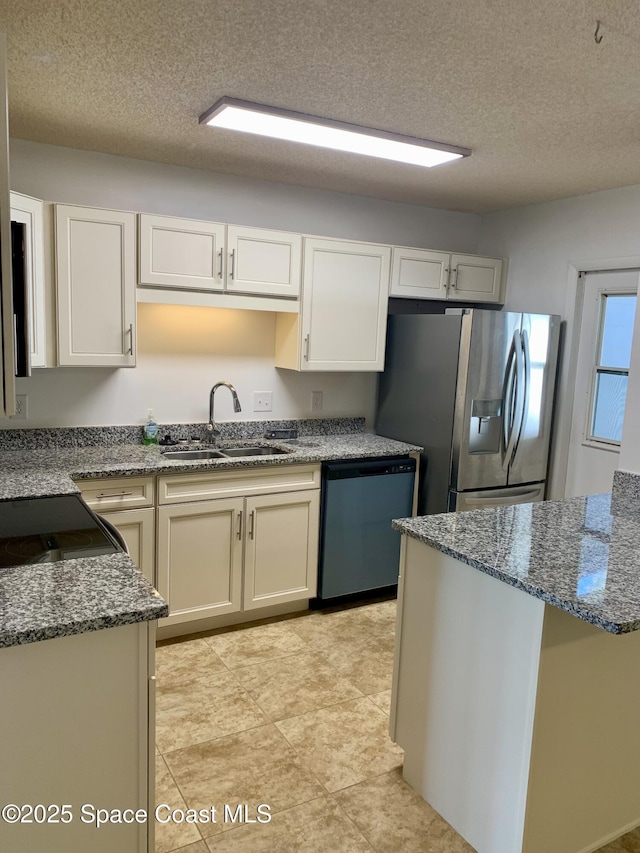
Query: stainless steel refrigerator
x: 476, y: 389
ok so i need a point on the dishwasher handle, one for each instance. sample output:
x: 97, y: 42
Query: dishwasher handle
x: 354, y: 468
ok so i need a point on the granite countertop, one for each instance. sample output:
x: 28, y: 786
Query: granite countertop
x: 573, y: 554
x: 43, y: 601
x: 47, y: 600
x: 46, y: 471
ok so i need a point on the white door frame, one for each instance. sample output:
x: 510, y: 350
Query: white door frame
x: 567, y: 379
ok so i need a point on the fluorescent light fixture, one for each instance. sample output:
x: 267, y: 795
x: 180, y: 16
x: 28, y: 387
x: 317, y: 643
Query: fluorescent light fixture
x: 233, y: 114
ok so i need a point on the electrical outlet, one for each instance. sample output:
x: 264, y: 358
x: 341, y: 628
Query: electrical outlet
x: 316, y: 401
x: 262, y: 401
x: 21, y: 408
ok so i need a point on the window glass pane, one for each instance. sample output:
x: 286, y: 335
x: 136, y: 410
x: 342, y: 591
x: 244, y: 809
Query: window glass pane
x: 608, y: 408
x: 618, y: 330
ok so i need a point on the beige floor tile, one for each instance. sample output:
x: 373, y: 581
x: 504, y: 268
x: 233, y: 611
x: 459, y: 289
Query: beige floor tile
x: 171, y: 836
x: 190, y: 712
x: 294, y: 685
x: 382, y: 700
x: 393, y: 817
x: 319, y: 826
x: 185, y: 661
x: 323, y: 630
x: 198, y: 847
x: 255, y: 645
x: 343, y: 744
x: 253, y: 767
x: 366, y: 661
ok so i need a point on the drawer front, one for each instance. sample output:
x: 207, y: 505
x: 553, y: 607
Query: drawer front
x: 117, y: 493
x: 209, y: 485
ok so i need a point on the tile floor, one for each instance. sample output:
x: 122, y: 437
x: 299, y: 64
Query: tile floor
x: 293, y: 714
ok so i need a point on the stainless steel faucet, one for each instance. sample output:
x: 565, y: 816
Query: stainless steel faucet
x: 211, y: 426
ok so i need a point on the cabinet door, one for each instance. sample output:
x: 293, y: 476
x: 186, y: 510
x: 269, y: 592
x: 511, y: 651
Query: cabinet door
x: 138, y: 528
x: 419, y: 274
x: 30, y: 211
x: 475, y: 279
x: 96, y: 286
x: 281, y: 551
x: 344, y: 305
x: 200, y: 559
x: 263, y: 262
x: 181, y: 253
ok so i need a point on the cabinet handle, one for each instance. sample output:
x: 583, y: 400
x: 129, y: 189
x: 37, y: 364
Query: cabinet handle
x: 220, y: 270
x: 114, y: 494
x: 239, y: 533
x: 447, y: 274
x: 251, y: 514
x: 306, y: 347
x: 455, y: 277
x: 233, y: 263
x: 129, y: 332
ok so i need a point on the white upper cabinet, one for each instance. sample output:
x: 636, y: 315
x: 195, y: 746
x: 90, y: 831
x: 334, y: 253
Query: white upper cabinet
x: 181, y: 253
x: 192, y: 255
x: 263, y: 262
x: 344, y: 309
x: 419, y: 274
x: 423, y: 274
x: 96, y: 286
x: 30, y: 212
x: 475, y: 279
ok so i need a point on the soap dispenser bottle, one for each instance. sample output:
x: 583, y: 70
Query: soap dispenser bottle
x: 150, y: 432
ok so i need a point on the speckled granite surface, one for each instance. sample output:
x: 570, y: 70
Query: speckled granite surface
x: 572, y: 554
x: 33, y: 439
x: 48, y: 600
x: 625, y: 494
x: 33, y: 470
x: 39, y: 602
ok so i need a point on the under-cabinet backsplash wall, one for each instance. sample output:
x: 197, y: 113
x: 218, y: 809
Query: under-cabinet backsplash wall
x: 183, y: 351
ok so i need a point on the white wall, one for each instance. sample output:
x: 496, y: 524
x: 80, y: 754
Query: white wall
x: 546, y: 245
x: 183, y: 351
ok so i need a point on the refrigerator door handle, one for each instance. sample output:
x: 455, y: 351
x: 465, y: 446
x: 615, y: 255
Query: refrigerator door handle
x: 525, y: 361
x: 515, y: 496
x: 508, y: 398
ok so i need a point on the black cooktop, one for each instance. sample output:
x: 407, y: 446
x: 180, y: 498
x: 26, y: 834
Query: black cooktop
x: 44, y: 530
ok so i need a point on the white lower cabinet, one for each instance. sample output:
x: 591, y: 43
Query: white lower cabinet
x: 137, y: 528
x: 77, y: 731
x: 281, y: 548
x: 234, y: 541
x: 200, y: 559
x: 128, y: 503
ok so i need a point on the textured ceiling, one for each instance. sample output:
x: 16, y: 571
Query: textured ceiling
x: 547, y: 112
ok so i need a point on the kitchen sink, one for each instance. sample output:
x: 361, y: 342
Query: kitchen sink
x: 194, y: 454
x: 253, y: 451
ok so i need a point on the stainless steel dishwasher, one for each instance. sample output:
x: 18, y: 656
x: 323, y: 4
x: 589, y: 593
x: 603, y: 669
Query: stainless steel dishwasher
x: 359, y: 550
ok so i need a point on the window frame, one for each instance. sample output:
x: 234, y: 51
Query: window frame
x: 591, y: 440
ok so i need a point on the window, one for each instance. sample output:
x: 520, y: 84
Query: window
x: 611, y: 369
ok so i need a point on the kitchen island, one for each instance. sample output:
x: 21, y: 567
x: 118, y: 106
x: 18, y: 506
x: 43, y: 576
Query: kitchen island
x: 77, y: 641
x: 516, y: 688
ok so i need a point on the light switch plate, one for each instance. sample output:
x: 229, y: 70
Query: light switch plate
x: 262, y: 401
